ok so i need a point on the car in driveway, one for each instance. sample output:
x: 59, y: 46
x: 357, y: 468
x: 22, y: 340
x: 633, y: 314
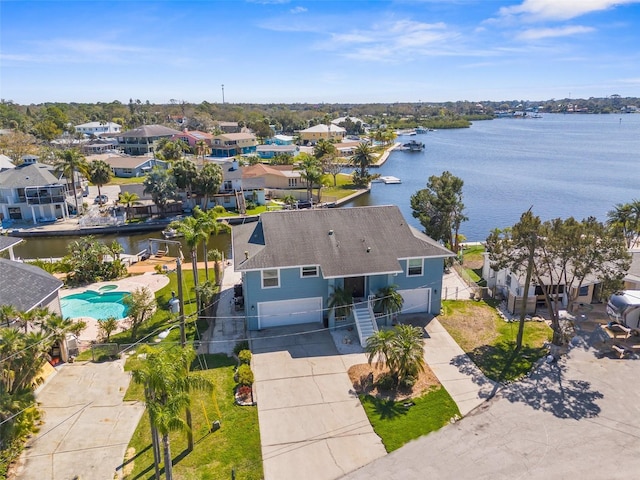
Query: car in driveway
x: 101, y: 199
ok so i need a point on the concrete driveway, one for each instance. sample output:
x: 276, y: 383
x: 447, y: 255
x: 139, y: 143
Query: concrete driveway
x: 87, y: 426
x: 579, y: 418
x: 312, y: 425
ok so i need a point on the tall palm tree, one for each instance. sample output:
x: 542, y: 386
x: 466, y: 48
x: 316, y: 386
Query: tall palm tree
x: 216, y: 256
x: 201, y: 149
x: 100, y: 174
x: 362, y: 158
x: 127, y: 199
x: 310, y: 171
x: 214, y: 227
x: 408, y: 351
x: 162, y: 187
x: 185, y: 173
x: 340, y: 302
x: 167, y: 382
x: 379, y: 346
x: 389, y: 300
x: 208, y: 182
x: 8, y: 313
x: 195, y: 230
x: 69, y: 163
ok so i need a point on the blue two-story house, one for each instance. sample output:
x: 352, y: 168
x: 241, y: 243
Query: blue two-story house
x: 292, y: 262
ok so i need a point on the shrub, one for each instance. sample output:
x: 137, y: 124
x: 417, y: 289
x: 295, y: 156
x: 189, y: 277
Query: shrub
x: 245, y: 356
x: 386, y: 382
x: 243, y: 345
x: 245, y: 375
x: 408, y: 382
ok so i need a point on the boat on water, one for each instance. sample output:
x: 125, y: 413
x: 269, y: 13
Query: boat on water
x: 171, y: 233
x: 422, y: 130
x: 390, y: 180
x: 413, y: 146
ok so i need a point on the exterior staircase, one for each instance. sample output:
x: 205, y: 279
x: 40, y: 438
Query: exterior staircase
x: 365, y: 321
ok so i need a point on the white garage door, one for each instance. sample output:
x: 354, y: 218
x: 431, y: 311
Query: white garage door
x: 416, y: 301
x: 289, y: 312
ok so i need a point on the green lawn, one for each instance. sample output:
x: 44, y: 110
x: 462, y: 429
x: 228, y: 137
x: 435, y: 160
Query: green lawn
x: 396, y: 424
x: 490, y: 341
x: 235, y: 446
x: 126, y: 181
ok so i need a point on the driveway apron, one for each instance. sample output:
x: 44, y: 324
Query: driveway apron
x: 87, y: 426
x: 312, y: 424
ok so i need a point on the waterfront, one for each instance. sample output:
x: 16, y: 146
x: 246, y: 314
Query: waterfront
x: 562, y: 165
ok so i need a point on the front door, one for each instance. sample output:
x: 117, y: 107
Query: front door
x: 355, y: 286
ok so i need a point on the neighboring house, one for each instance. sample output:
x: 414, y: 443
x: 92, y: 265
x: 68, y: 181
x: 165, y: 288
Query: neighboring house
x: 270, y: 151
x: 346, y: 149
x: 144, y: 206
x: 291, y: 262
x: 30, y: 192
x: 127, y: 166
x: 279, y: 140
x: 26, y: 287
x: 228, y: 127
x: 191, y: 137
x: 232, y: 144
x: 632, y: 278
x: 233, y: 185
x: 510, y: 286
x: 144, y: 140
x: 102, y: 145
x: 326, y: 132
x: 5, y: 163
x: 7, y: 244
x: 98, y: 128
x: 279, y: 177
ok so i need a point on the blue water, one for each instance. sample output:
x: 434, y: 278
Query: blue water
x: 93, y: 304
x: 561, y: 165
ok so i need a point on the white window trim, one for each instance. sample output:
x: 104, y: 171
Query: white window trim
x: 262, y: 278
x: 309, y: 276
x: 421, y: 267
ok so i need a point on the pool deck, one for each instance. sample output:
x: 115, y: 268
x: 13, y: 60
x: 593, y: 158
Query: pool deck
x: 151, y: 280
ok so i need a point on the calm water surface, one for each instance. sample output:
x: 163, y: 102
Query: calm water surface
x: 561, y: 165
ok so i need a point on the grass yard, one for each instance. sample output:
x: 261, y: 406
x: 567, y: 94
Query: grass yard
x: 490, y: 341
x: 344, y: 186
x: 472, y: 261
x: 396, y: 424
x: 235, y: 446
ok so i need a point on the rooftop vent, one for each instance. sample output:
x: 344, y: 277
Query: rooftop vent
x: 330, y: 232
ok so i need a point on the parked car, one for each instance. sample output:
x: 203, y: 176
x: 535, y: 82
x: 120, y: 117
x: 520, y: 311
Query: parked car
x: 101, y: 199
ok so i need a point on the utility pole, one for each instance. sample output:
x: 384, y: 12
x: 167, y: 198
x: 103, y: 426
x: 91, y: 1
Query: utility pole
x: 183, y: 332
x: 223, y: 93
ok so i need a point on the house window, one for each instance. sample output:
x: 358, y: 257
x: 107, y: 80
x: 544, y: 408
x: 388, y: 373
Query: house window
x: 309, y: 271
x: 508, y: 280
x: 414, y: 267
x: 270, y: 278
x: 293, y: 182
x: 584, y: 291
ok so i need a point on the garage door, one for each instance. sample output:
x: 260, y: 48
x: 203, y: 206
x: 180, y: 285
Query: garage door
x: 416, y: 301
x: 289, y: 312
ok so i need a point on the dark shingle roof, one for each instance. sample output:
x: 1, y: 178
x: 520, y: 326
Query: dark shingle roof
x: 34, y: 175
x: 24, y: 286
x: 8, y: 242
x: 343, y: 241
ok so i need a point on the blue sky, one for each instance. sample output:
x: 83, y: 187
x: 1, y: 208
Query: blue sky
x: 318, y: 51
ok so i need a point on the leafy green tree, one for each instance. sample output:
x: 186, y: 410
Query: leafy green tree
x: 185, y: 172
x: 85, y: 262
x: 401, y: 349
x: 289, y: 200
x: 141, y: 305
x: 208, y: 182
x: 310, y: 171
x: 340, y: 302
x: 107, y: 327
x: 162, y: 187
x: 168, y: 384
x: 69, y: 163
x: 100, y: 174
x: 389, y: 300
x: 324, y: 147
x: 440, y: 209
x: 128, y: 199
x: 171, y: 150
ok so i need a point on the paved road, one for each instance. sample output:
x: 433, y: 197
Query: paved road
x: 312, y: 425
x: 87, y: 425
x: 578, y: 419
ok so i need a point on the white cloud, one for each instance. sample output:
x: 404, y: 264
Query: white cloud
x: 541, y: 33
x: 560, y: 9
x: 297, y: 10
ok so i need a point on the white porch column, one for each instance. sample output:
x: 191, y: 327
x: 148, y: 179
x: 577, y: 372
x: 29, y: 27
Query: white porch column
x: 33, y: 215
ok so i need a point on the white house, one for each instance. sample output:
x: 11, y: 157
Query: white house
x: 98, y: 128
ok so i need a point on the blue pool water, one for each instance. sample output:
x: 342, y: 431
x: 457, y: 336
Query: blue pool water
x: 95, y: 304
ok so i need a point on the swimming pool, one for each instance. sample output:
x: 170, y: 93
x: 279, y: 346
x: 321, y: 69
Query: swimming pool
x: 99, y: 305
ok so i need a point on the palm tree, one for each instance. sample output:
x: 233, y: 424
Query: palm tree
x: 195, y: 230
x: 162, y: 187
x: 379, y: 347
x: 217, y: 257
x: 362, y: 159
x: 100, y: 174
x: 340, y: 302
x: 389, y: 300
x: 69, y: 163
x: 208, y: 182
x: 310, y: 171
x: 8, y: 313
x: 185, y: 173
x: 127, y: 199
x: 167, y: 382
x: 408, y: 351
x: 201, y: 149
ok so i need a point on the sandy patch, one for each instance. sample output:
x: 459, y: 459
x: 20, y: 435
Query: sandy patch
x: 364, y: 376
